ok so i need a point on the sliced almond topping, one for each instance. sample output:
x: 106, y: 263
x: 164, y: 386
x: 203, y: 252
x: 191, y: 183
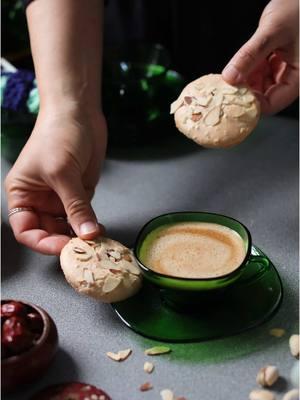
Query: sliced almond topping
x: 79, y: 250
x: 230, y: 90
x: 167, y: 394
x: 277, y: 332
x: 84, y: 257
x: 251, y: 112
x: 199, y: 86
x: 218, y: 98
x: 228, y: 99
x: 98, y: 256
x: 110, y: 283
x: 196, y: 117
x: 188, y: 100
x: 114, y: 255
x: 148, y: 367
x: 133, y: 269
x: 239, y: 101
x: 213, y: 116
x: 120, y: 355
x: 203, y: 100
x: 242, y: 90
x: 88, y: 276
x: 294, y: 345
x: 175, y: 105
x: 146, y: 386
x: 115, y: 271
x: 156, y: 350
x: 127, y: 257
x: 235, y: 111
x: 248, y: 97
x: 90, y: 242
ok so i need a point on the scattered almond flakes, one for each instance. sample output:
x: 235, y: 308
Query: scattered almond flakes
x: 277, y: 332
x: 120, y: 355
x: 167, y: 394
x: 145, y: 387
x: 148, y: 367
x: 294, y: 345
x: 156, y: 350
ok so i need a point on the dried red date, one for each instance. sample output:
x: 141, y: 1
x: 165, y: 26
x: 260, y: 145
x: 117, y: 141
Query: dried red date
x: 16, y: 336
x: 13, y: 308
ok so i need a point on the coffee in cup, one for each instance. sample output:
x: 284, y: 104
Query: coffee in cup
x: 199, y: 250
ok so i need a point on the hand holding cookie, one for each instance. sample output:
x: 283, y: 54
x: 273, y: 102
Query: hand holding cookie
x: 215, y: 114
x: 102, y: 268
x: 269, y: 60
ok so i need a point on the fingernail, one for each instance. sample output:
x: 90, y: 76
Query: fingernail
x: 231, y: 74
x: 88, y: 227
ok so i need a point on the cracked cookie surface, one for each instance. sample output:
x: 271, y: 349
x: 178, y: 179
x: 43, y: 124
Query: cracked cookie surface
x: 215, y: 114
x: 101, y: 268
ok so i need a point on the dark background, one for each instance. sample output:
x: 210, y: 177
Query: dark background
x: 200, y: 36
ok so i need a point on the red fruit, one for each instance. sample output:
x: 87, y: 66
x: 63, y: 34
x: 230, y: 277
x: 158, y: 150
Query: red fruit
x: 13, y: 308
x: 35, y: 322
x: 70, y: 390
x: 16, y: 336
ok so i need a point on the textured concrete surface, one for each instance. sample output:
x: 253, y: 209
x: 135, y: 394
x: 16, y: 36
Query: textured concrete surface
x: 257, y: 183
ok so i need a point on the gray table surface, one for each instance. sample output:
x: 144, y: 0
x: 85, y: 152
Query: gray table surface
x: 256, y: 182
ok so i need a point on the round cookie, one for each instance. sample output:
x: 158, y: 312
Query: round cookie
x: 215, y: 114
x: 101, y: 268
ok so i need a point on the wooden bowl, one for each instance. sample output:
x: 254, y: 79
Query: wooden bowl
x: 30, y: 364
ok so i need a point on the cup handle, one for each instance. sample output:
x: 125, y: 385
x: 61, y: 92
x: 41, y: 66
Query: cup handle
x: 264, y: 265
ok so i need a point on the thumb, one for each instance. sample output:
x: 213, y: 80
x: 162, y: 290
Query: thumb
x: 78, y: 207
x: 258, y: 48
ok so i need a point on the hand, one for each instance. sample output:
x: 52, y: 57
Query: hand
x: 56, y: 174
x: 268, y: 62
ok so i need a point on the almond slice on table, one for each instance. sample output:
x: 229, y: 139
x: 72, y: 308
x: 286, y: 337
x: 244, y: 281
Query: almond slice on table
x: 157, y: 350
x: 148, y: 367
x: 145, y: 387
x: 120, y: 355
x: 167, y: 394
x: 277, y: 332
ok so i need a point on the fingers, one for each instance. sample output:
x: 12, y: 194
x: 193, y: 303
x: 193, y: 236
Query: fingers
x: 259, y: 47
x: 279, y: 96
x: 41, y: 233
x: 77, y: 207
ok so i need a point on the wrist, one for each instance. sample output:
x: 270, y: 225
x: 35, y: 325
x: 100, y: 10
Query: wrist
x: 73, y: 107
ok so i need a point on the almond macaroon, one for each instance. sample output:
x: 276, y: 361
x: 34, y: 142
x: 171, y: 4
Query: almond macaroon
x: 215, y: 114
x: 101, y: 268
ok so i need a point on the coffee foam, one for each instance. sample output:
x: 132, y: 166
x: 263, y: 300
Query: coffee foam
x: 194, y: 250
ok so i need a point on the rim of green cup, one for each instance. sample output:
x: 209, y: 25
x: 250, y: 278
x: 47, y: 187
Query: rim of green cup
x: 179, y: 278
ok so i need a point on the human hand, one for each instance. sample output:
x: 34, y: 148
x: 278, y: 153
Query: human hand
x: 269, y: 62
x: 56, y: 174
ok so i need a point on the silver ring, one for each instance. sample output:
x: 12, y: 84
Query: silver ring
x: 15, y: 210
x: 63, y: 219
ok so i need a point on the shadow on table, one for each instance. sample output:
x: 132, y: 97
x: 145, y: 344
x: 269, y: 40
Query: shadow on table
x: 63, y: 369
x: 125, y: 235
x: 238, y: 346
x: 175, y: 145
x: 11, y: 253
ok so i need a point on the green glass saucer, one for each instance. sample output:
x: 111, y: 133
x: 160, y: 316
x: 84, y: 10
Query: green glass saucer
x: 250, y: 301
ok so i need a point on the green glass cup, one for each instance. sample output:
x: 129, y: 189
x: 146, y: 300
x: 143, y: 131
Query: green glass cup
x: 183, y: 293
